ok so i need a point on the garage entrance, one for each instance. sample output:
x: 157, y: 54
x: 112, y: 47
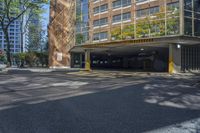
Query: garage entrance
x: 135, y: 58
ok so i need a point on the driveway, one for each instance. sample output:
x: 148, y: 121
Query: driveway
x: 99, y: 102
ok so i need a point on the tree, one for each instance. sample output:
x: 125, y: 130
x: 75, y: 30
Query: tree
x: 143, y: 27
x: 173, y: 21
x: 79, y: 38
x: 3, y: 58
x: 157, y: 25
x: 26, y: 19
x: 128, y: 32
x: 20, y: 58
x: 12, y: 10
x: 116, y: 33
x: 122, y: 33
x: 35, y: 37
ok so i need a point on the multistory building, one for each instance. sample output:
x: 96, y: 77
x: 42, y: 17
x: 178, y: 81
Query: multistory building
x: 14, y: 34
x: 143, y: 35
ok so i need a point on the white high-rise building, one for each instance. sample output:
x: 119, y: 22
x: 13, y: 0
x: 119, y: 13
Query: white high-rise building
x: 14, y: 34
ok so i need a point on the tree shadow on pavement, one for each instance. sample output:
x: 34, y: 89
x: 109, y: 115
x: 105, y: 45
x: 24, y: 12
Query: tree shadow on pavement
x: 130, y: 108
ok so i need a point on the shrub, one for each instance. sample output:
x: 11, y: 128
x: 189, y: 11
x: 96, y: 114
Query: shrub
x: 30, y: 58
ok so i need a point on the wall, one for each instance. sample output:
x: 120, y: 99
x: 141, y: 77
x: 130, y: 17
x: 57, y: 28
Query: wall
x: 61, y: 32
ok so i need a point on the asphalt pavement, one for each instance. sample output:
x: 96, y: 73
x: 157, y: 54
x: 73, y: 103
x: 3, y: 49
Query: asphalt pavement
x: 99, y: 102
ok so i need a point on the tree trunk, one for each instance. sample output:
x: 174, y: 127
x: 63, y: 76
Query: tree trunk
x: 8, y: 47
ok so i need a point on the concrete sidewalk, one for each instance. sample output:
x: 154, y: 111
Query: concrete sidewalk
x: 40, y: 70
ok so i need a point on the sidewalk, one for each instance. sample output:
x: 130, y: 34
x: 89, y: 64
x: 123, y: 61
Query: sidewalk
x: 40, y: 70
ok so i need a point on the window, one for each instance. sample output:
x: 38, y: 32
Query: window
x: 197, y: 27
x: 138, y: 1
x: 100, y: 36
x: 120, y: 17
x: 101, y: 8
x: 17, y: 50
x: 96, y: 10
x: 121, y: 3
x: 148, y: 11
x: 188, y: 26
x: 100, y: 22
x: 116, y: 18
x: 154, y: 10
x: 95, y: 0
x: 103, y: 35
x: 126, y: 16
x: 104, y: 8
x: 173, y: 6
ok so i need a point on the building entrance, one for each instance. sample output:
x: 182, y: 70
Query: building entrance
x: 143, y: 60
x: 127, y: 58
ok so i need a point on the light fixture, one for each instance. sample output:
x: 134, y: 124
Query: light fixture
x: 142, y: 49
x: 178, y: 46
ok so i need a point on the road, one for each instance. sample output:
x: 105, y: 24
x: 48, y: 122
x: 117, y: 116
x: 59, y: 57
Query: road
x: 98, y: 102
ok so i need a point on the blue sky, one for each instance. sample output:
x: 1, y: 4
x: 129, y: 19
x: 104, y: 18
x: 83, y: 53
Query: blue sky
x: 46, y: 16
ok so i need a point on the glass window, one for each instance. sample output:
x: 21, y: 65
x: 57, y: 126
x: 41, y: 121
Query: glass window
x: 101, y: 8
x: 141, y: 1
x: 127, y: 16
x: 100, y: 36
x: 148, y: 11
x: 121, y: 3
x: 120, y: 17
x: 197, y: 27
x: 100, y: 22
x: 188, y: 4
x: 188, y: 26
x: 116, y: 18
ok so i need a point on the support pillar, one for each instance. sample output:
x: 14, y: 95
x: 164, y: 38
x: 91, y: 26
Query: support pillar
x: 174, y: 58
x: 87, y: 60
x: 72, y: 60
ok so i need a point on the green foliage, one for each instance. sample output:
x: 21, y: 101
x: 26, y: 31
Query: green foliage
x: 150, y: 26
x: 116, y: 33
x: 31, y: 59
x: 143, y: 27
x: 79, y: 38
x: 154, y: 26
x: 173, y: 22
x: 3, y: 58
x: 42, y: 58
x: 12, y: 10
x: 127, y: 32
x: 35, y: 37
x: 19, y: 58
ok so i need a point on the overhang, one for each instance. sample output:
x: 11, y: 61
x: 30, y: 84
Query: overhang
x: 137, y: 43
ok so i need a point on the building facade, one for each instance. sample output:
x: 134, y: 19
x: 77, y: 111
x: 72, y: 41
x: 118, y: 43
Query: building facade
x: 145, y: 35
x: 15, y: 35
x: 61, y: 32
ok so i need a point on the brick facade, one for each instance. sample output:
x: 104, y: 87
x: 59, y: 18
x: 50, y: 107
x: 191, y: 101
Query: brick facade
x: 61, y: 32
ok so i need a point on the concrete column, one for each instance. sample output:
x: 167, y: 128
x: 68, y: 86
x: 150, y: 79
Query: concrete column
x: 87, y: 60
x: 182, y: 23
x: 81, y: 62
x: 72, y: 60
x: 174, y: 58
